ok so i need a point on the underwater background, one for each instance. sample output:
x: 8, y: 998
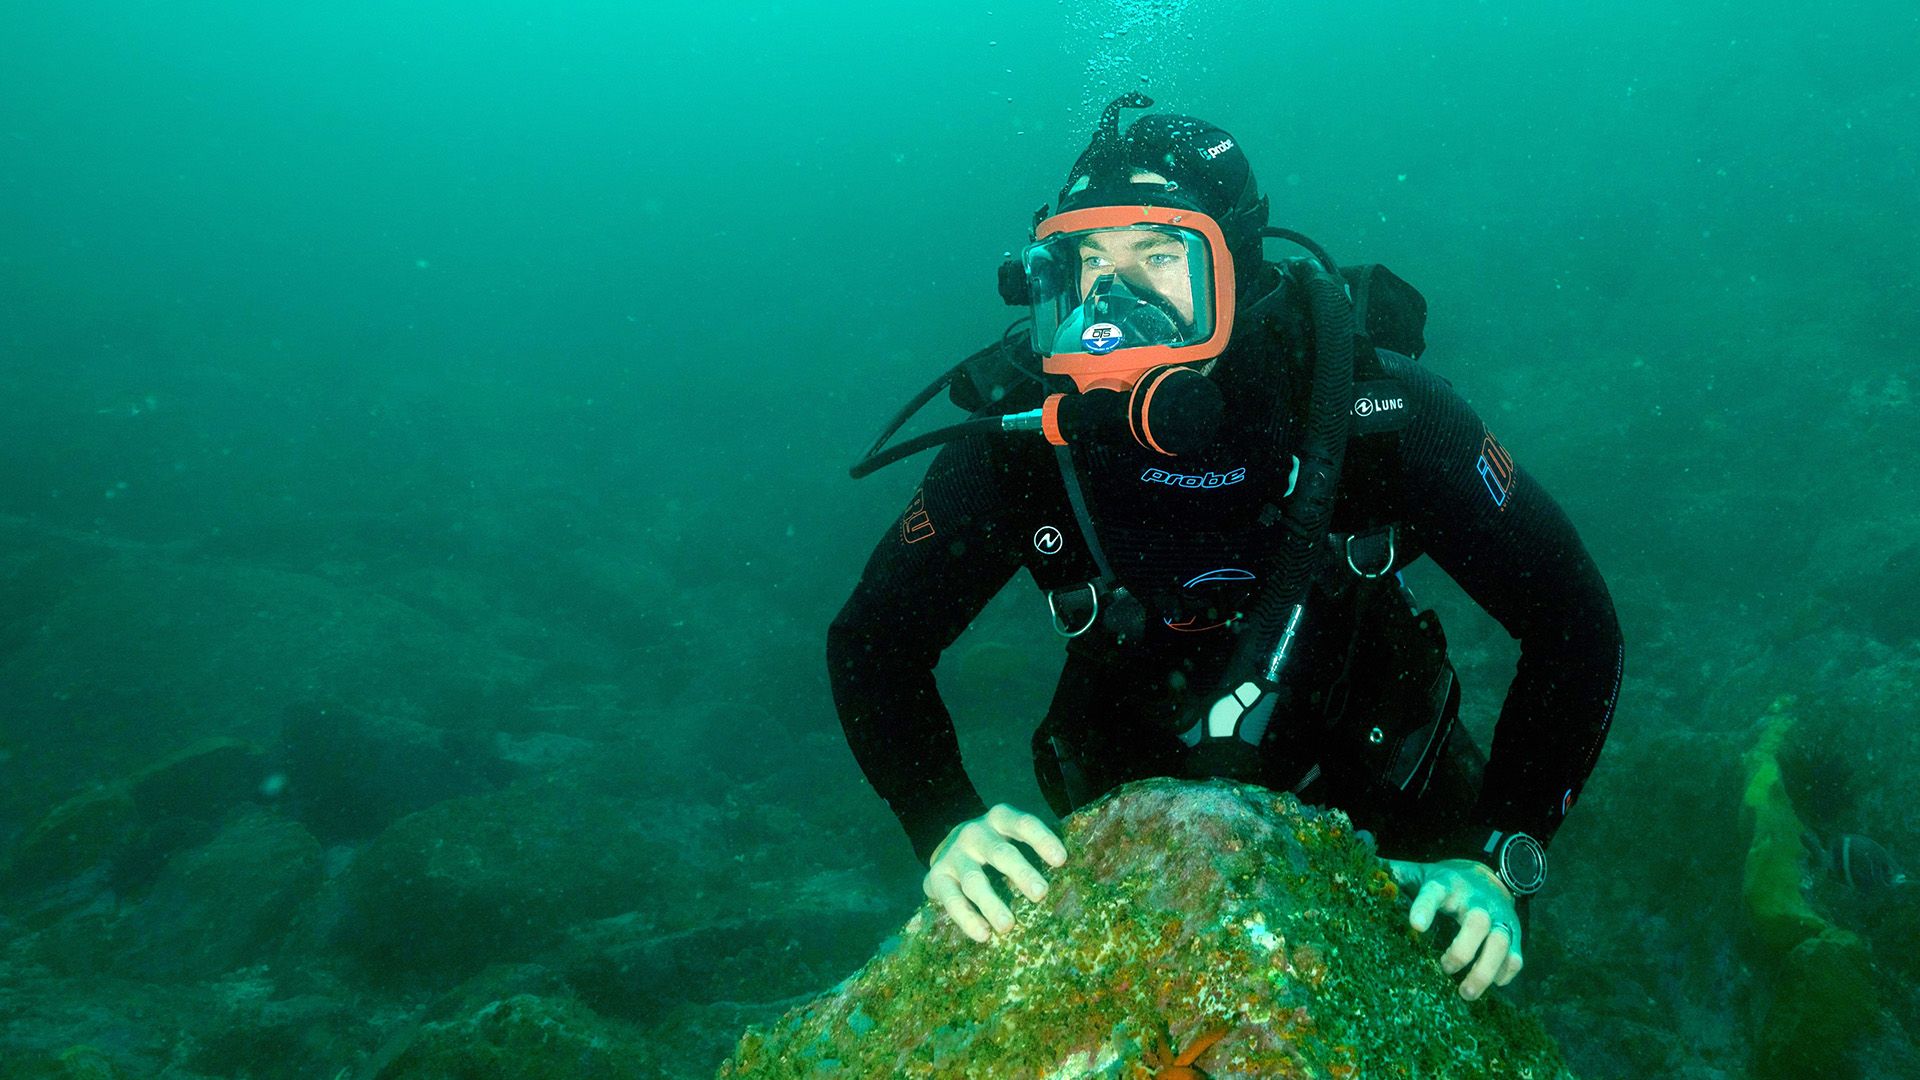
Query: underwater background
x: 423, y: 492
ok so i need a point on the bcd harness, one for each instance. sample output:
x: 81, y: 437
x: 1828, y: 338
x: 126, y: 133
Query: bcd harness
x: 1394, y: 673
x: 1351, y: 311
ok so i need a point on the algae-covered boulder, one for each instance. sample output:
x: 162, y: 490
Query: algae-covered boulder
x: 1208, y: 929
x: 117, y: 836
x: 75, y: 836
x: 497, y: 877
x: 203, y: 781
x: 222, y: 905
x: 525, y: 1037
x: 73, y: 1063
x: 351, y: 774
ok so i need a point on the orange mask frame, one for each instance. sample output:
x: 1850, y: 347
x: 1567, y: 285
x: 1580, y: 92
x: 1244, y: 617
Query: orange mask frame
x: 1121, y: 369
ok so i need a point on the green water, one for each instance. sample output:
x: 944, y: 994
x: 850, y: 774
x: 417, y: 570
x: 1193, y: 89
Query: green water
x: 494, y: 368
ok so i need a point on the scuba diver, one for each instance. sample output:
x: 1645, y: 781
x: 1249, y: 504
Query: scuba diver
x: 1215, y: 467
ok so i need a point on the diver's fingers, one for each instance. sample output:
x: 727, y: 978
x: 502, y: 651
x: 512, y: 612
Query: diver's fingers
x: 1426, y: 905
x: 974, y: 883
x: 1007, y: 859
x: 1473, y: 930
x: 1493, y: 959
x: 943, y: 889
x: 1511, y: 968
x: 1030, y: 831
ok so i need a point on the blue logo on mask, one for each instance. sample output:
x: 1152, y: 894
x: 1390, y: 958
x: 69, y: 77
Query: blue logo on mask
x: 1100, y: 338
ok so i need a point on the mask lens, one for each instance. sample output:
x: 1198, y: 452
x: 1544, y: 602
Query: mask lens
x: 1047, y: 278
x: 1097, y: 291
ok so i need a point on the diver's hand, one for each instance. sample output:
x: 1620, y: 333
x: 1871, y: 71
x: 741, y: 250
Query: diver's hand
x: 957, y: 879
x: 1481, y: 904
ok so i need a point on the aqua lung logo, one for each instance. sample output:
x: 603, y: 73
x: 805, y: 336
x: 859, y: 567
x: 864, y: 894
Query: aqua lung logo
x: 1369, y: 406
x: 1193, y: 480
x: 1217, y: 149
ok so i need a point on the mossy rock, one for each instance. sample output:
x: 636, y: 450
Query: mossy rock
x: 525, y: 1037
x: 1824, y: 1000
x: 203, y: 781
x: 86, y: 830
x: 1184, y: 911
x: 497, y: 877
x: 222, y: 905
x: 73, y: 1063
x: 130, y: 823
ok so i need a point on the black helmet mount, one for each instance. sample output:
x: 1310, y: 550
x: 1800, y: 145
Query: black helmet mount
x: 1103, y: 163
x: 1205, y: 168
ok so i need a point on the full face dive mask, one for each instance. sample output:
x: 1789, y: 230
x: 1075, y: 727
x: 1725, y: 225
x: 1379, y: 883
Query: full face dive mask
x: 1119, y: 290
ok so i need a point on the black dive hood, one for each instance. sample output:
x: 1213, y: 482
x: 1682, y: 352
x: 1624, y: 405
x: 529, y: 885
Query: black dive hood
x: 1204, y: 165
x: 1207, y: 173
x: 1206, y: 170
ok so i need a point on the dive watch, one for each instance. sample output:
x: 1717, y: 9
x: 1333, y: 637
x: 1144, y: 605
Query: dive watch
x: 1518, y: 860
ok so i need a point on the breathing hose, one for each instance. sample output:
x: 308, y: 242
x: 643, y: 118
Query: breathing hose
x: 985, y: 425
x: 1307, y: 513
x: 1225, y: 735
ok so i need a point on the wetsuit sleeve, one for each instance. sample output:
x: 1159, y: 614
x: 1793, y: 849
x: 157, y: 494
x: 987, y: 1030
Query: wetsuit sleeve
x: 1497, y: 532
x: 938, y: 565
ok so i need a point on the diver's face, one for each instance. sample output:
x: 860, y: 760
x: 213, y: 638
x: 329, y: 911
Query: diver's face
x: 1147, y: 259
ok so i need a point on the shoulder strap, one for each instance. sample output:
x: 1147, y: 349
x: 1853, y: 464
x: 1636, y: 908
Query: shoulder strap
x: 1071, y: 477
x: 1121, y: 614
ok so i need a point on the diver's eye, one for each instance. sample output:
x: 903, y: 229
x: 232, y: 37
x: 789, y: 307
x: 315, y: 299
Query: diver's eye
x: 1162, y: 260
x: 1096, y: 262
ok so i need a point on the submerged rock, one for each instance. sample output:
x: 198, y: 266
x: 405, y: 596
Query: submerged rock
x: 203, y: 781
x: 350, y: 775
x: 496, y: 878
x: 115, y: 838
x: 222, y: 905
x: 73, y: 1063
x: 1210, y: 929
x: 75, y: 836
x: 524, y: 1037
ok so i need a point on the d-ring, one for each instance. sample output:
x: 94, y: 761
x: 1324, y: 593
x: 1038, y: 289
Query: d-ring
x: 1060, y: 625
x: 1384, y: 568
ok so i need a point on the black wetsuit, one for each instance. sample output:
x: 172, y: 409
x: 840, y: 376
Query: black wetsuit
x: 1185, y: 536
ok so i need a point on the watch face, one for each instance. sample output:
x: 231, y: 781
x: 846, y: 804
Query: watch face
x: 1523, y: 864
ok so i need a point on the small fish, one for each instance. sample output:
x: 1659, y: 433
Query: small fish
x: 1866, y: 866
x: 1859, y: 862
